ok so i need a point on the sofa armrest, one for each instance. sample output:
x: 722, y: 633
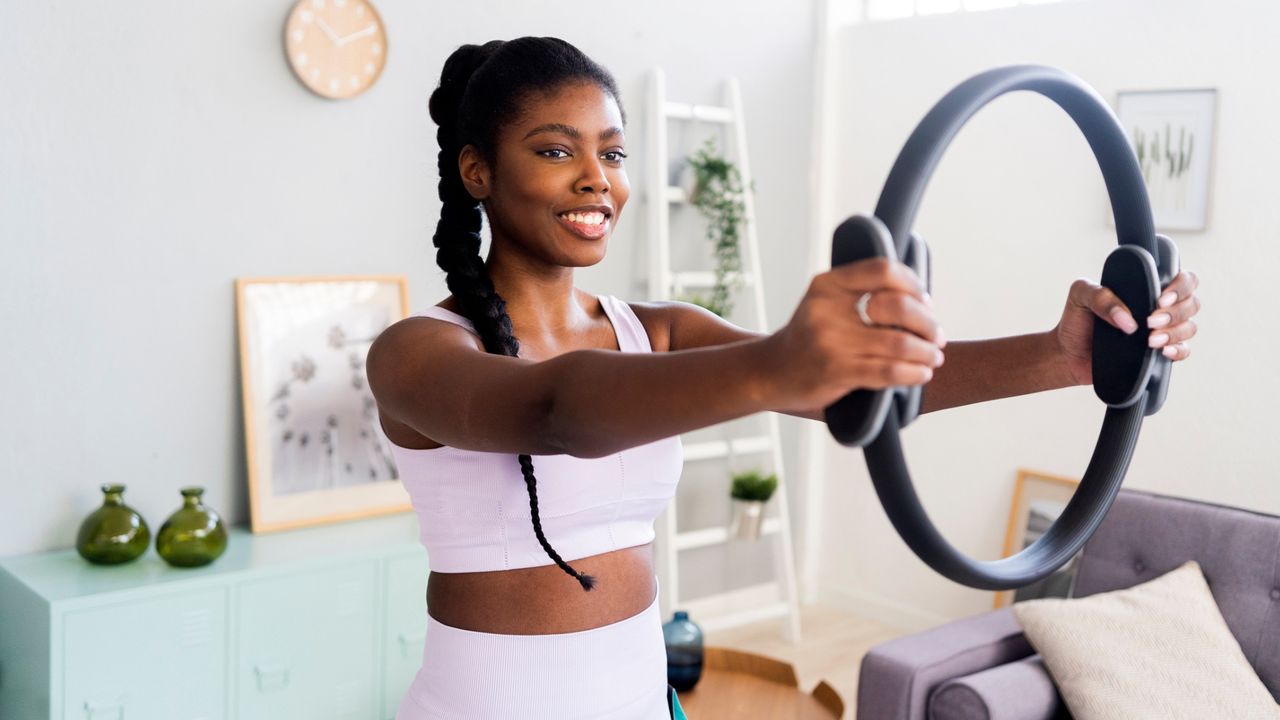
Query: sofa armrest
x: 1019, y: 690
x: 897, y: 676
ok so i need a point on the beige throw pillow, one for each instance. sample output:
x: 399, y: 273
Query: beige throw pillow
x: 1156, y: 650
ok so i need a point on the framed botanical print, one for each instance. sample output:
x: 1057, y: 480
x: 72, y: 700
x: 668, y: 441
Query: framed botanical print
x: 1171, y: 132
x: 316, y: 452
x: 1038, y: 499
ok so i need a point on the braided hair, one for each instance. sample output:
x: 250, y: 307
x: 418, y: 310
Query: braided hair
x: 483, y: 87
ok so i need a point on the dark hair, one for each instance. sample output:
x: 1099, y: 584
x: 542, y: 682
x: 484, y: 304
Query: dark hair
x: 483, y: 88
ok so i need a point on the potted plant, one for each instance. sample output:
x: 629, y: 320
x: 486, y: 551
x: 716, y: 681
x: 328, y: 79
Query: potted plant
x: 718, y: 194
x: 750, y: 491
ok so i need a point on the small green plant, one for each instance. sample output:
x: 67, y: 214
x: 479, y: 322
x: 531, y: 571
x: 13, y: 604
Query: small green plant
x: 718, y: 194
x: 752, y: 485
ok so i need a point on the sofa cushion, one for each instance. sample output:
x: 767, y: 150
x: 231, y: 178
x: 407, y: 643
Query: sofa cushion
x: 1146, y: 535
x: 1158, y: 649
x: 897, y: 676
x: 1020, y: 690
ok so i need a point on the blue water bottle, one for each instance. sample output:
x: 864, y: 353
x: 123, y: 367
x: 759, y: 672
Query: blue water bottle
x: 684, y: 651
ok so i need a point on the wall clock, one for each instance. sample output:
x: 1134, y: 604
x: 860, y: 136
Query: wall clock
x: 337, y: 48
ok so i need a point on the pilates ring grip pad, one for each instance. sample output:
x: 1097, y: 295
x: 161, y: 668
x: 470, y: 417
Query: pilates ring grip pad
x: 1129, y: 377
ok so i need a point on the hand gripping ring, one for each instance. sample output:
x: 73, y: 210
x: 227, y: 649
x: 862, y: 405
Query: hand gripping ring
x: 1129, y: 377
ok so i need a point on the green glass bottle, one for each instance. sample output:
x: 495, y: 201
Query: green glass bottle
x: 193, y: 535
x: 114, y: 533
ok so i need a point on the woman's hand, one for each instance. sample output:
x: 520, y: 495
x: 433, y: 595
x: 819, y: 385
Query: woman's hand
x: 1169, y: 327
x: 826, y: 350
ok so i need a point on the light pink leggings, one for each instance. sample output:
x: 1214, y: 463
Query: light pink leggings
x: 613, y: 672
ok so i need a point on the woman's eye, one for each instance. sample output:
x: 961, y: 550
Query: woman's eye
x: 553, y: 150
x: 618, y: 155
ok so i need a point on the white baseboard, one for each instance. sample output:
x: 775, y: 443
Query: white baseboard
x: 880, y: 609
x: 733, y: 601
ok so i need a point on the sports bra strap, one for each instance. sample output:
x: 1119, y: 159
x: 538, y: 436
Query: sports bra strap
x: 630, y: 332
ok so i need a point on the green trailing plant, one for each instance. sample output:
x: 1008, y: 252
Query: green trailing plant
x: 718, y: 194
x: 753, y: 485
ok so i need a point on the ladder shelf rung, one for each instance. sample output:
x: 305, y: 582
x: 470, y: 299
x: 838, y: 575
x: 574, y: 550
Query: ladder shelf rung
x: 706, y: 279
x: 720, y: 448
x: 716, y: 535
x: 688, y: 111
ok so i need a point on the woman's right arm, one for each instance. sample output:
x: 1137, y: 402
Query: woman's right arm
x: 437, y: 379
x: 604, y: 402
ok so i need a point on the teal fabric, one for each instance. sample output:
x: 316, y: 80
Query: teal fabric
x: 677, y: 712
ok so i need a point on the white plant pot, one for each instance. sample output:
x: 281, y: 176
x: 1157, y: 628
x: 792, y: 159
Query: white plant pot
x: 748, y: 517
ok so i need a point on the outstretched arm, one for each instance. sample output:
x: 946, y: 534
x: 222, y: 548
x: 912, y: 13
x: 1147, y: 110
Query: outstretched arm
x: 980, y: 370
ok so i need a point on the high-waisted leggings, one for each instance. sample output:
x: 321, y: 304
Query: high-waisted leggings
x: 614, y: 672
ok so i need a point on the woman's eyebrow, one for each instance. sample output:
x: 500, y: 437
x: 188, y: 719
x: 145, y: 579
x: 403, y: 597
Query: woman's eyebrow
x: 571, y: 131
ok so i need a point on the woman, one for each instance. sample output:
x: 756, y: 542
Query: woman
x: 592, y: 398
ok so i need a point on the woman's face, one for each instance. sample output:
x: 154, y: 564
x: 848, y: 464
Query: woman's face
x: 559, y: 184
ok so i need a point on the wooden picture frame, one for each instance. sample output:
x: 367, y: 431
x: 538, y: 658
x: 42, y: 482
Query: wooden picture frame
x: 314, y: 448
x: 1038, y: 499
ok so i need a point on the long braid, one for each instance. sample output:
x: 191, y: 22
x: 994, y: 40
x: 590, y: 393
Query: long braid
x: 467, y: 115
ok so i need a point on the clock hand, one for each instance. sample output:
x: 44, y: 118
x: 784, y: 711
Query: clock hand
x: 333, y: 36
x: 357, y: 35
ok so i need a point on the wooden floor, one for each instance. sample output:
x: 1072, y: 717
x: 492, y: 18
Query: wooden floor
x: 831, y: 648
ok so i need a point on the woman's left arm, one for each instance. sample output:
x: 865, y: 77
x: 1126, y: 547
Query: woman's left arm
x: 980, y: 370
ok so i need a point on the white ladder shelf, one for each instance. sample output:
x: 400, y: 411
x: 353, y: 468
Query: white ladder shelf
x: 664, y: 284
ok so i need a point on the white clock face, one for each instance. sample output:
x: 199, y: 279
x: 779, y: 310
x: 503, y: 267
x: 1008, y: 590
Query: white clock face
x: 337, y: 48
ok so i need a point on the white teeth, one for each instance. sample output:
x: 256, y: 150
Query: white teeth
x: 592, y: 218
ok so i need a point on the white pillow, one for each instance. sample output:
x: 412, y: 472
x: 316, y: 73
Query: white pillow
x: 1156, y: 650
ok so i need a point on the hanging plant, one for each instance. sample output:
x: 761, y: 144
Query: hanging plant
x: 718, y: 194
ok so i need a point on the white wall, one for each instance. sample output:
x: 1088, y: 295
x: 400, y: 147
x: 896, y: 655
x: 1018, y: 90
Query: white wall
x: 1014, y: 213
x: 151, y: 152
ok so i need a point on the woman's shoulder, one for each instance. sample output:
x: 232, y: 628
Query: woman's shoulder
x: 422, y: 331
x: 655, y: 316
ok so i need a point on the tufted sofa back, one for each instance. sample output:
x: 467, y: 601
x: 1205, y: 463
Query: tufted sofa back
x: 1146, y: 535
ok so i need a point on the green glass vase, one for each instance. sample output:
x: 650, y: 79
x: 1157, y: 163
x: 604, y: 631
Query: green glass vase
x: 114, y: 533
x: 193, y: 535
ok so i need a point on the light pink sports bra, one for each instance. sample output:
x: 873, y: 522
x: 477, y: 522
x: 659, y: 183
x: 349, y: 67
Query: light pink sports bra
x: 473, y: 507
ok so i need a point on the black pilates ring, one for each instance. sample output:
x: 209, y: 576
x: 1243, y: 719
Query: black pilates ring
x: 1130, y: 378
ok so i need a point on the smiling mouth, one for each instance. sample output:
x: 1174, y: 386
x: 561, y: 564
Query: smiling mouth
x: 589, y: 225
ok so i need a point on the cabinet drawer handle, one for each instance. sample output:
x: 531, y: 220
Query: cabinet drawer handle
x: 411, y: 640
x: 272, y: 677
x: 96, y: 711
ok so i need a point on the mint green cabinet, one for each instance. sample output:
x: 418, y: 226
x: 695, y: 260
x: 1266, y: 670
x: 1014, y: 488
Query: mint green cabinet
x: 173, y: 669
x: 405, y: 631
x: 308, y: 645
x: 318, y: 622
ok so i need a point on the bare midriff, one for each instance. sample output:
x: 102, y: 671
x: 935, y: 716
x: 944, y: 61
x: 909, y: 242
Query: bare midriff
x: 545, y: 599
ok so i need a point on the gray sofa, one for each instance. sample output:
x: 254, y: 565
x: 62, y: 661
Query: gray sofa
x: 983, y: 668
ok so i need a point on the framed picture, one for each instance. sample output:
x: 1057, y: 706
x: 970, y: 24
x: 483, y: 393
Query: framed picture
x: 1172, y: 134
x: 1038, y: 499
x: 316, y: 452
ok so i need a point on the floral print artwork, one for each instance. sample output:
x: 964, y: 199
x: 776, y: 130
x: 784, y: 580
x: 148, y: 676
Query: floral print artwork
x: 319, y: 421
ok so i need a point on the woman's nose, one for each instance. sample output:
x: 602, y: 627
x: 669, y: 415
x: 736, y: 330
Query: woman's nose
x: 593, y: 178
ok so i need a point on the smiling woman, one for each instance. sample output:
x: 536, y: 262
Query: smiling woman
x: 596, y: 393
x: 531, y: 134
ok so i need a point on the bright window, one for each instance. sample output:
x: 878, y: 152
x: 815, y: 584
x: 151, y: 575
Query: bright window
x: 893, y: 9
